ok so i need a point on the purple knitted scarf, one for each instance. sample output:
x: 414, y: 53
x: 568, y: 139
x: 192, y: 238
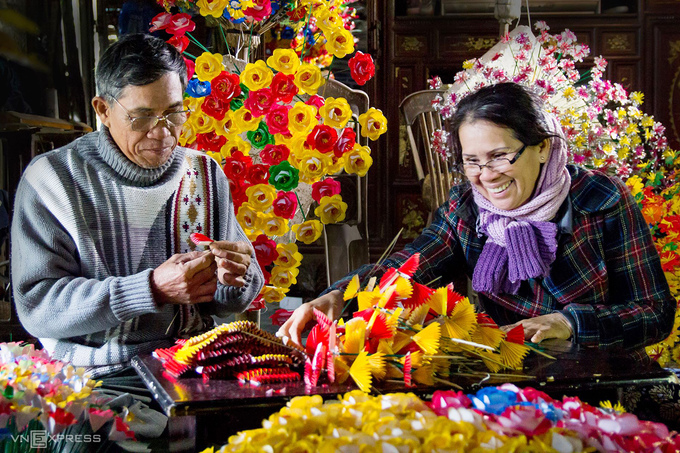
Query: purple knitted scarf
x: 522, y: 242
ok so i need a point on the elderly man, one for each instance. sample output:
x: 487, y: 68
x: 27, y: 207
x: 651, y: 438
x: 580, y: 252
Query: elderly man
x: 103, y: 267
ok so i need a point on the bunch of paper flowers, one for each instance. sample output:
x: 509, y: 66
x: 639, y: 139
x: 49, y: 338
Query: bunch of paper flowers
x: 54, y: 402
x: 411, y: 333
x: 279, y: 141
x: 236, y: 350
x: 500, y: 419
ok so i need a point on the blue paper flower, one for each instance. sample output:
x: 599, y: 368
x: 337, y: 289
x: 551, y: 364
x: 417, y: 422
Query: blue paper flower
x: 287, y: 33
x: 493, y: 400
x: 198, y: 89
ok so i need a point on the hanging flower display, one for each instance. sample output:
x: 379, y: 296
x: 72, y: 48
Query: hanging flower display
x: 267, y: 121
x: 504, y: 419
x: 604, y: 126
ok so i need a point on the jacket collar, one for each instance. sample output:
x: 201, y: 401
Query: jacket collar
x: 591, y: 191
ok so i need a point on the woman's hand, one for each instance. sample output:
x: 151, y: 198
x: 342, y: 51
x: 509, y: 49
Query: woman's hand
x: 554, y: 325
x: 233, y: 260
x: 331, y: 304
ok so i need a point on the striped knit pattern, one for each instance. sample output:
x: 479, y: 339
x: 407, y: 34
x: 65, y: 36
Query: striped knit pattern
x: 88, y: 228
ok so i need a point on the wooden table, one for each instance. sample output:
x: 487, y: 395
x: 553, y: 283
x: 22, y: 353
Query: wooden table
x: 202, y: 413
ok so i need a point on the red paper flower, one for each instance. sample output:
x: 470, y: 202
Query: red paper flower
x: 284, y: 88
x: 179, y: 42
x: 260, y: 10
x: 277, y: 119
x: 326, y: 188
x: 238, y: 193
x: 180, y: 24
x: 258, y: 174
x: 265, y: 250
x: 259, y: 102
x: 274, y: 154
x: 191, y: 67
x: 236, y: 166
x: 317, y: 101
x: 214, y: 106
x: 322, y: 138
x: 226, y: 86
x: 361, y: 67
x: 210, y: 141
x: 346, y: 142
x: 280, y: 316
x: 160, y: 22
x: 285, y: 205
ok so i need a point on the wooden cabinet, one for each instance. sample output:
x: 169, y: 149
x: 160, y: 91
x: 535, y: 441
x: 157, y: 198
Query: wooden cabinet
x: 641, y: 45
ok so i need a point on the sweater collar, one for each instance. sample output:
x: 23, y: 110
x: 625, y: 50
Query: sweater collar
x: 128, y: 170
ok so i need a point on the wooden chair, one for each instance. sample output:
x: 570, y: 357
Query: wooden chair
x: 422, y: 120
x: 346, y: 243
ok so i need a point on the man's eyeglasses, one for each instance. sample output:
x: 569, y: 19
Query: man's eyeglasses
x: 146, y: 123
x: 499, y: 164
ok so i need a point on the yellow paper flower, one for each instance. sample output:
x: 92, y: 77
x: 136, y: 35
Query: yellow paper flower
x: 361, y: 371
x: 340, y: 42
x: 428, y: 338
x: 359, y: 160
x: 308, y: 231
x: 284, y: 60
x: 352, y: 288
x: 273, y: 225
x: 200, y: 122
x: 208, y: 66
x: 214, y: 8
x: 336, y: 112
x: 308, y: 78
x: 313, y: 166
x: 261, y: 196
x: 273, y: 293
x: 331, y: 210
x: 284, y: 276
x: 373, y: 123
x: 327, y: 20
x: 244, y: 120
x: 256, y: 75
x: 355, y: 335
x: 235, y: 144
x: 301, y: 118
x: 288, y: 255
x: 248, y: 216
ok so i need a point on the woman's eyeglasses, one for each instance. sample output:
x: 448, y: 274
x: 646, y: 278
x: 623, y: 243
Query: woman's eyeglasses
x: 146, y: 123
x: 499, y: 164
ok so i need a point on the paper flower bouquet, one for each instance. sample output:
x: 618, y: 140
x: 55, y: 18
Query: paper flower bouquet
x: 495, y: 419
x: 407, y: 332
x: 48, y: 405
x: 268, y: 124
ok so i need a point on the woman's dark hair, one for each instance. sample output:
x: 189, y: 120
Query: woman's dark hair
x: 507, y: 105
x: 137, y: 59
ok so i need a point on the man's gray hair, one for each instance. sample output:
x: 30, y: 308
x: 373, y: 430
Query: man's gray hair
x: 137, y: 59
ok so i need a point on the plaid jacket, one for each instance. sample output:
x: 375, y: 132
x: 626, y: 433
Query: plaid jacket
x: 607, y: 278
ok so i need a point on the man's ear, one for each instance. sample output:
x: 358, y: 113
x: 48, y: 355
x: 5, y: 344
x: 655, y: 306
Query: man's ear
x: 102, y: 109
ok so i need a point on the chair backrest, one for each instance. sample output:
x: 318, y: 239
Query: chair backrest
x: 346, y: 244
x: 422, y: 119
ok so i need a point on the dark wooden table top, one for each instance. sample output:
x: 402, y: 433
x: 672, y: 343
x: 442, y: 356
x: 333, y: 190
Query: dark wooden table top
x: 576, y: 370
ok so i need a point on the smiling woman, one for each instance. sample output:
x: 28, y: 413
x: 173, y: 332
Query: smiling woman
x: 563, y: 251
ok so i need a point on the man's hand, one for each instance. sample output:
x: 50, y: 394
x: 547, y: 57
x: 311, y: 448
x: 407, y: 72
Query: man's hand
x: 554, y: 325
x: 233, y: 260
x: 187, y: 278
x: 331, y: 304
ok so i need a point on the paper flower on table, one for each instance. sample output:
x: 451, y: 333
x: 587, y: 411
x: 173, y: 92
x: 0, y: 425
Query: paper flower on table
x: 237, y: 350
x: 407, y: 332
x: 503, y: 419
x: 38, y: 393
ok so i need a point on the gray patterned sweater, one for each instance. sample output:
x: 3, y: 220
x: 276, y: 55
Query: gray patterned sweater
x: 88, y: 228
